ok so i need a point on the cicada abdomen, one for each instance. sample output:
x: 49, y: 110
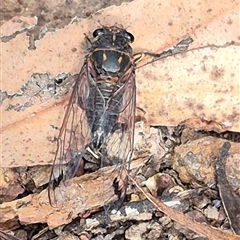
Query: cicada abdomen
x: 99, y: 121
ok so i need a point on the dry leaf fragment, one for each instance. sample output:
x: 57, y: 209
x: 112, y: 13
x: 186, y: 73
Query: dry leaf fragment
x: 196, y: 161
x: 230, y: 200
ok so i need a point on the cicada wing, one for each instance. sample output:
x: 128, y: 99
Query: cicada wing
x: 73, y: 136
x: 120, y: 140
x: 119, y: 143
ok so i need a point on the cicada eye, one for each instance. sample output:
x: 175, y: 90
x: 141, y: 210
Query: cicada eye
x: 129, y: 36
x: 98, y: 32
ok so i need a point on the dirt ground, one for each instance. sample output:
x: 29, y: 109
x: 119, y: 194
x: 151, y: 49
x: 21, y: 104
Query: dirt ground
x: 52, y: 14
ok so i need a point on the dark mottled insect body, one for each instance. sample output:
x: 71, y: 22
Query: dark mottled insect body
x: 98, y: 126
x: 112, y: 64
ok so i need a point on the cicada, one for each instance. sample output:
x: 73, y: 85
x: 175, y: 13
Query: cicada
x: 99, y: 120
x: 98, y: 127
